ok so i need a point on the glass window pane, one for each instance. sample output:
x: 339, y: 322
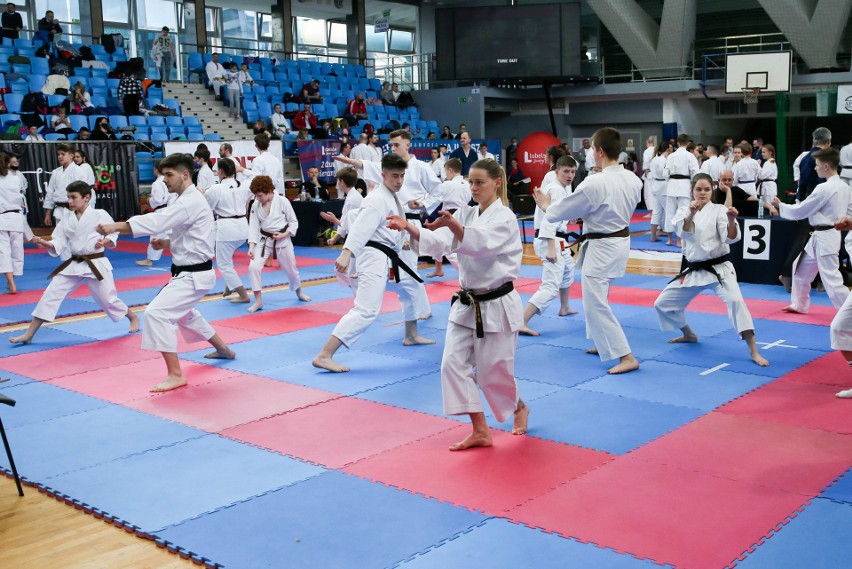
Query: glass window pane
x: 310, y: 32
x: 210, y: 16
x: 376, y: 41
x: 154, y: 14
x: 402, y: 40
x: 337, y: 33
x: 116, y: 11
x: 239, y: 23
x: 266, y: 25
x: 63, y: 10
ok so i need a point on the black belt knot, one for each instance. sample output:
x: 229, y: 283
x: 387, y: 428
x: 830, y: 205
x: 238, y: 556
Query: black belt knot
x: 687, y: 267
x: 197, y: 268
x: 470, y: 298
x: 396, y: 262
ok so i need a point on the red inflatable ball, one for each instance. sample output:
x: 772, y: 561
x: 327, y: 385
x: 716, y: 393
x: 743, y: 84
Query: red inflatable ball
x: 532, y: 156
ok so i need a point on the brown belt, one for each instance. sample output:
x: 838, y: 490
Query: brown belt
x: 80, y: 259
x: 268, y: 236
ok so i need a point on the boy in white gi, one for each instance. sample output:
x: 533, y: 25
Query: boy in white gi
x: 77, y: 242
x: 707, y: 229
x: 378, y: 250
x: 681, y: 166
x: 557, y: 265
x: 14, y: 229
x: 605, y: 202
x: 482, y: 332
x: 455, y: 192
x: 228, y: 200
x: 746, y: 169
x: 841, y: 325
x: 191, y: 224
x: 660, y: 181
x: 265, y: 164
x: 346, y: 179
x: 159, y: 198
x: 827, y: 204
x: 56, y: 197
x: 272, y: 222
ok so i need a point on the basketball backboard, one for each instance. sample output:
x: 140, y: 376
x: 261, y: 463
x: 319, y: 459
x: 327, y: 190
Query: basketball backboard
x: 767, y: 71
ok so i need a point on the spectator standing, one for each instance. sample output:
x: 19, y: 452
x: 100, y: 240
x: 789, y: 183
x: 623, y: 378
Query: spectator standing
x: 130, y: 93
x: 235, y: 91
x: 12, y: 22
x: 50, y: 25
x: 163, y: 53
x: 512, y: 150
x: 465, y: 153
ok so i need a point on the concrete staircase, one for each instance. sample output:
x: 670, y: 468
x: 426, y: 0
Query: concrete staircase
x: 196, y: 100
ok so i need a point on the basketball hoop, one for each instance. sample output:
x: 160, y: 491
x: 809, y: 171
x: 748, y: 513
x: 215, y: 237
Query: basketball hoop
x: 750, y: 95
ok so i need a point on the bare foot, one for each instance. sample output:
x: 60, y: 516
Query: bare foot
x: 592, y: 351
x: 325, y: 362
x: 526, y: 331
x: 792, y: 310
x: 473, y: 440
x: 303, y: 297
x: 758, y: 359
x: 655, y: 240
x: 669, y: 243
x: 145, y: 263
x: 685, y: 339
x: 171, y: 382
x: 624, y: 366
x: 255, y: 307
x: 416, y: 341
x: 134, y: 323
x: 566, y: 312
x: 22, y: 339
x: 522, y: 415
x: 227, y: 292
x: 427, y: 317
x: 434, y: 274
x: 787, y: 282
x: 10, y: 282
x: 217, y: 355
x: 241, y: 300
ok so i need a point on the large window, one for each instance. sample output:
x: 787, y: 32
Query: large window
x: 63, y: 10
x: 239, y: 24
x: 154, y: 14
x: 117, y: 11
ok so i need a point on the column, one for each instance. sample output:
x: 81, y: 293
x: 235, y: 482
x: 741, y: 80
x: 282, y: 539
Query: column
x: 91, y: 20
x: 282, y: 27
x: 356, y: 33
x: 194, y: 36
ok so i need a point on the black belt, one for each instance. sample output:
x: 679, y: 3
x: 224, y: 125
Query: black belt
x: 687, y: 267
x: 269, y: 235
x: 660, y: 179
x: 197, y: 268
x: 563, y: 235
x: 811, y: 230
x: 846, y: 166
x: 620, y: 233
x: 678, y: 177
x: 413, y: 216
x: 10, y: 211
x: 231, y: 216
x: 820, y: 228
x: 56, y: 205
x: 80, y: 259
x: 396, y: 262
x: 470, y: 298
x: 161, y: 206
x: 746, y: 181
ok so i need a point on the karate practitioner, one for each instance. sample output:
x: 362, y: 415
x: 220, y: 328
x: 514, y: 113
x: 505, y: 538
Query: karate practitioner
x: 56, y: 197
x: 77, y: 242
x: 378, y: 250
x: 272, y: 223
x: 825, y: 206
x: 681, y: 166
x: 455, y: 192
x: 713, y: 165
x: 707, y: 230
x: 767, y: 184
x: 216, y: 75
x: 191, y: 224
x: 846, y: 164
x: 746, y: 169
x: 265, y: 164
x: 557, y: 265
x: 14, y: 229
x: 606, y: 202
x: 228, y: 200
x: 841, y: 325
x: 660, y: 177
x: 346, y: 179
x: 486, y: 314
x: 648, y: 156
x: 159, y: 198
x: 206, y: 178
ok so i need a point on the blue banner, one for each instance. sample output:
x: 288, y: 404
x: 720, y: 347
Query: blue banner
x: 422, y: 148
x: 319, y: 154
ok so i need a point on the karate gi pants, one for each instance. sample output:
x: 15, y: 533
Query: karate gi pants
x: 672, y: 302
x: 174, y: 309
x: 225, y: 261
x: 154, y: 254
x: 12, y: 252
x: 554, y: 276
x: 805, y: 268
x: 372, y: 280
x: 673, y: 203
x: 841, y: 327
x: 658, y: 214
x: 61, y: 286
x: 421, y: 299
x: 602, y: 328
x: 286, y: 261
x: 650, y: 195
x: 471, y: 364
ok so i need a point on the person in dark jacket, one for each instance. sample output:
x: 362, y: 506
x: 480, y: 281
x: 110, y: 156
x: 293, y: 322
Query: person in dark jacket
x: 12, y: 22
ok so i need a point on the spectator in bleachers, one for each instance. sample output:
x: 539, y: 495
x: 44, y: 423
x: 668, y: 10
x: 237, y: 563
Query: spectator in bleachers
x: 395, y: 91
x: 516, y: 183
x: 235, y: 90
x: 356, y: 109
x: 465, y: 153
x: 386, y: 95
x: 447, y: 134
x: 280, y: 124
x: 81, y: 159
x: 462, y: 130
x: 103, y: 130
x: 84, y: 134
x: 130, y: 93
x: 12, y: 22
x: 260, y: 127
x: 312, y: 188
x: 431, y: 136
x: 60, y: 123
x: 34, y: 136
x: 215, y: 75
x: 310, y: 92
x: 404, y: 99
x: 512, y: 150
x: 50, y: 25
x: 79, y: 100
x: 163, y: 54
x: 305, y: 119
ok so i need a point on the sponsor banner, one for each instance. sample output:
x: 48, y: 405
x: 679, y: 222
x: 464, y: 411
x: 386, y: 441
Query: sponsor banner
x: 244, y: 150
x: 532, y: 156
x: 422, y: 149
x: 844, y: 99
x: 319, y: 154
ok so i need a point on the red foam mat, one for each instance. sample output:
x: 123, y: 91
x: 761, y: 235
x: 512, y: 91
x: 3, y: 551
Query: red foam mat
x: 830, y: 369
x: 241, y: 398
x: 492, y: 480
x: 281, y: 321
x: 755, y: 451
x: 810, y: 405
x: 341, y: 431
x: 662, y: 513
x: 229, y: 334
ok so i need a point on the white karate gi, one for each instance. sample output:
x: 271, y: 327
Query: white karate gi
x: 373, y: 267
x: 681, y: 162
x: 489, y: 256
x: 56, y: 197
x: 88, y: 175
x: 713, y: 167
x: 455, y: 193
x: 206, y: 178
x: 228, y: 200
x: 648, y: 188
x: 351, y: 203
x: 708, y: 240
x: 846, y: 164
x: 190, y: 221
x: 159, y: 198
x: 746, y: 172
x: 558, y: 275
x: 828, y: 204
x: 13, y: 225
x: 215, y: 76
x: 797, y: 173
x: 280, y: 124
x: 590, y: 162
x: 438, y: 168
x: 266, y: 164
x: 841, y: 325
x: 366, y: 153
x: 606, y: 203
x: 768, y: 181
x: 280, y: 215
x: 74, y: 236
x: 660, y: 176
x: 351, y: 207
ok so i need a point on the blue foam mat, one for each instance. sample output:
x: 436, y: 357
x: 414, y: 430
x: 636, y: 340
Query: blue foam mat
x: 556, y: 365
x: 99, y: 328
x: 499, y: 543
x: 14, y: 379
x: 70, y: 306
x: 38, y: 402
x: 842, y: 489
x: 802, y: 335
x: 47, y: 338
x: 206, y: 474
x: 331, y: 520
x: 704, y: 324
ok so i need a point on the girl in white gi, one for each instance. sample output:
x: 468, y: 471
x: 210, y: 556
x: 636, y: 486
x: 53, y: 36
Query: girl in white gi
x: 14, y: 229
x: 707, y: 230
x: 605, y: 202
x: 159, y: 198
x: 378, y: 250
x: 841, y: 325
x: 557, y: 265
x: 56, y: 198
x: 681, y: 166
x: 767, y: 179
x: 228, y: 200
x: 828, y: 203
x: 272, y: 222
x: 190, y: 222
x: 77, y: 242
x: 455, y: 192
x: 206, y: 177
x: 659, y: 175
x: 82, y: 160
x: 482, y: 333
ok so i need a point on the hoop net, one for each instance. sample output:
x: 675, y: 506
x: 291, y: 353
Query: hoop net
x: 750, y: 95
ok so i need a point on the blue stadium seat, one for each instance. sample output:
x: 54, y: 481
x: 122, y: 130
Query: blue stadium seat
x: 159, y: 136
x: 154, y: 120
x: 78, y: 121
x: 173, y: 104
x: 100, y: 93
x: 196, y: 65
x: 291, y: 107
x: 55, y: 100
x: 79, y: 79
x: 37, y: 82
x: 13, y: 103
x: 97, y: 81
x: 41, y: 66
x: 54, y: 136
x: 158, y: 130
x: 141, y: 135
x: 118, y: 121
x: 194, y: 134
x: 22, y: 42
x: 98, y: 49
x: 113, y: 83
x: 212, y: 136
x: 174, y: 121
x: 176, y: 131
x: 23, y: 69
x: 192, y: 121
x: 138, y: 121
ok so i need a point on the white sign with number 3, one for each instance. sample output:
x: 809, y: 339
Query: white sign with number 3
x: 756, y: 235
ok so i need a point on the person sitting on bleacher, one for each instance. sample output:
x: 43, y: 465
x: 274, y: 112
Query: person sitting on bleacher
x: 386, y: 95
x: 103, y: 130
x: 84, y: 134
x: 305, y: 119
x: 34, y: 136
x: 260, y: 127
x: 215, y: 75
x: 60, y: 123
x: 280, y: 124
x: 79, y: 100
x: 310, y: 92
x: 356, y: 109
x: 245, y: 76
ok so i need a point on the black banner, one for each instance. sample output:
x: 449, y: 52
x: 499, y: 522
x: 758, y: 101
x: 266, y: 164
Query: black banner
x: 116, y: 176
